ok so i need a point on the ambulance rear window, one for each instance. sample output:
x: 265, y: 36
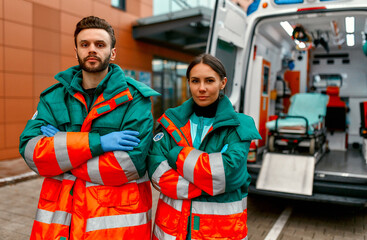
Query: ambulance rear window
x: 226, y: 52
x: 281, y: 2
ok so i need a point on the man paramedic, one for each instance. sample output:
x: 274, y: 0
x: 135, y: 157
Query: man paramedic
x: 89, y: 138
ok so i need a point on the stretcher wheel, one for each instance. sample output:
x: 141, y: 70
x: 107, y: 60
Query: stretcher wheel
x: 312, y: 145
x: 271, y: 144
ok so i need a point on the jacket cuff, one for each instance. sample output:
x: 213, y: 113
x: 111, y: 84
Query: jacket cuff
x: 95, y: 144
x: 173, y: 155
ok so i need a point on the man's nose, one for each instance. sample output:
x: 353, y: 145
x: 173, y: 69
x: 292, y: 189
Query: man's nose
x: 92, y: 48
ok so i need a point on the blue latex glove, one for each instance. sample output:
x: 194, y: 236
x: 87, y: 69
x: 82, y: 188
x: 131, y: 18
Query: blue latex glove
x: 49, y: 130
x: 224, y: 148
x: 120, y: 141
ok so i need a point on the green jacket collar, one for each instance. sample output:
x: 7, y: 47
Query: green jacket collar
x: 225, y: 116
x: 112, y: 84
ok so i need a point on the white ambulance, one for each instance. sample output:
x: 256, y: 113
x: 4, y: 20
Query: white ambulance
x: 299, y: 68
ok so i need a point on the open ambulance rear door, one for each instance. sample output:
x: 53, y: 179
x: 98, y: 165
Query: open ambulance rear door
x: 227, y: 41
x: 294, y: 42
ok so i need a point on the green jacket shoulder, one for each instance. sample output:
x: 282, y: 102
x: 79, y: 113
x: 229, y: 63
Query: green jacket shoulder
x: 141, y: 87
x: 51, y: 89
x: 247, y: 130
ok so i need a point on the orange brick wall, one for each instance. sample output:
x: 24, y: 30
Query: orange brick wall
x: 36, y: 42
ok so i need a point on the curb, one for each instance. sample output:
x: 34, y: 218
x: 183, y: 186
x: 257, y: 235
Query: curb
x: 17, y: 178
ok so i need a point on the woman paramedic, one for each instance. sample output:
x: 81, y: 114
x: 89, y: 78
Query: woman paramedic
x: 198, y: 161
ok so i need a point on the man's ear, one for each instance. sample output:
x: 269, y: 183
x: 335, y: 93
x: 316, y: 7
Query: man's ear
x: 113, y: 54
x: 76, y: 53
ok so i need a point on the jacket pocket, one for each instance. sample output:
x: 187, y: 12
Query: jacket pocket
x: 50, y: 189
x: 125, y: 195
x: 167, y: 218
x: 219, y: 226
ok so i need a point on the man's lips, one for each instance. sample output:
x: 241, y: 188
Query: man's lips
x: 202, y: 97
x: 92, y: 59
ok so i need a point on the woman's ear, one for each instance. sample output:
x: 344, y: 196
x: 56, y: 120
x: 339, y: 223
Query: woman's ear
x: 223, y: 83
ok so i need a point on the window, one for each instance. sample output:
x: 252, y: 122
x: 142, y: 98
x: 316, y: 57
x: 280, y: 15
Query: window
x: 287, y: 1
x: 226, y: 52
x: 169, y: 79
x: 118, y: 4
x: 324, y: 80
x: 266, y: 81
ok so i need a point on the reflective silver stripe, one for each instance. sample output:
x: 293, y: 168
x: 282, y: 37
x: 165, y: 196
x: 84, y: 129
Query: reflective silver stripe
x: 161, y: 235
x: 69, y: 176
x: 126, y: 165
x: 176, y: 204
x: 144, y: 178
x: 64, y: 176
x: 29, y: 152
x: 189, y: 164
x: 93, y: 170
x: 61, y: 151
x: 160, y: 170
x: 89, y: 184
x: 182, y: 188
x: 214, y: 208
x: 118, y: 221
x: 218, y: 174
x: 58, y: 217
x: 58, y: 177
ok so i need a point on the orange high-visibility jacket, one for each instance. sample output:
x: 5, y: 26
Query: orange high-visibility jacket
x: 88, y: 194
x: 204, y: 190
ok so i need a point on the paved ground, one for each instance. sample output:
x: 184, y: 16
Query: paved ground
x: 307, y: 220
x: 17, y: 209
x: 14, y: 170
x: 18, y: 202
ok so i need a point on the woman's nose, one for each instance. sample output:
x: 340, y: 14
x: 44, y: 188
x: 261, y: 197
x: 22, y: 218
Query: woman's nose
x: 202, y: 86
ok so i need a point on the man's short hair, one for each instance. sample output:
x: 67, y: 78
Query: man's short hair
x: 94, y: 22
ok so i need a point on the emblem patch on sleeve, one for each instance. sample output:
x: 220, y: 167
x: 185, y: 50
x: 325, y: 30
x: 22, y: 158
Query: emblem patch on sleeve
x: 158, y: 137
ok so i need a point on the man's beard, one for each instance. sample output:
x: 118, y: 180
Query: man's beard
x: 97, y: 68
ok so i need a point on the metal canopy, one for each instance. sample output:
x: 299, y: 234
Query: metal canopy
x: 185, y: 30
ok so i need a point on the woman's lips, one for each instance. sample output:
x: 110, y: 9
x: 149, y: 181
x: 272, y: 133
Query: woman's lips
x: 202, y: 97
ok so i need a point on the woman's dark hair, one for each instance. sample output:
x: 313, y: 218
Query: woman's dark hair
x: 94, y: 22
x: 209, y: 60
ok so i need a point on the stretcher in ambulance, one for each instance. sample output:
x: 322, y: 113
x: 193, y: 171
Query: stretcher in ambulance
x: 299, y: 68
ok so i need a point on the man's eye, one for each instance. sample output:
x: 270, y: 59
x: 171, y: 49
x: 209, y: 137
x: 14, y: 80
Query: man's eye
x: 84, y: 45
x: 100, y: 45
